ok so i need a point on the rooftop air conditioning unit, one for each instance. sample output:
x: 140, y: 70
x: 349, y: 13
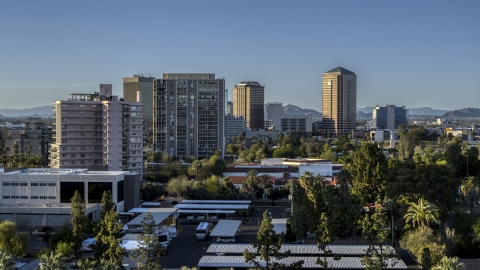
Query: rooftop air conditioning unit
x: 47, y: 204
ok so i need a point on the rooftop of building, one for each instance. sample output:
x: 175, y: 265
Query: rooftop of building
x: 54, y: 171
x: 249, y: 83
x: 189, y: 76
x: 261, y: 169
x: 340, y: 70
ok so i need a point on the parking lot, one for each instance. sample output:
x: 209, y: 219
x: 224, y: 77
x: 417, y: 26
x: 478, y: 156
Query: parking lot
x: 185, y: 250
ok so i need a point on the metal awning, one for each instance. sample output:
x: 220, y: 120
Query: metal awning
x: 226, y: 228
x: 309, y: 262
x: 311, y: 249
x: 138, y: 210
x: 213, y: 206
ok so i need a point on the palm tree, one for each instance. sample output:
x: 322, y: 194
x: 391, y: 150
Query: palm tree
x: 447, y: 263
x: 15, y: 149
x: 6, y: 260
x: 52, y: 261
x: 265, y: 179
x: 5, y: 150
x: 106, y: 265
x: 88, y: 264
x: 196, y: 165
x: 421, y: 213
x: 29, y: 149
x: 470, y: 188
x: 252, y: 175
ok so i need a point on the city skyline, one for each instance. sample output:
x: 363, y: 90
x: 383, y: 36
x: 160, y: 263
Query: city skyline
x: 402, y: 54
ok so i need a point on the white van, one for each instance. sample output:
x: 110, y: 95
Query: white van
x: 222, y: 239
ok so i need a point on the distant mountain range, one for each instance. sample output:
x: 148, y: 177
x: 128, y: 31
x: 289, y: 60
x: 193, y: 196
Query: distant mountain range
x: 295, y: 110
x: 463, y: 113
x: 362, y: 113
x: 43, y: 111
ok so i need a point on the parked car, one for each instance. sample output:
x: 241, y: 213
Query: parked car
x: 221, y: 239
x: 47, y: 229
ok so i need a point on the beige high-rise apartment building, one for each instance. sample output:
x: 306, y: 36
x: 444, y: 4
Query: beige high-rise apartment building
x: 339, y: 100
x: 98, y: 129
x: 248, y: 102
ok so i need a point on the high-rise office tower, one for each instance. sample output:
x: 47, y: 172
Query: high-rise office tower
x: 275, y: 112
x: 98, y: 129
x: 248, y: 102
x: 389, y: 117
x: 189, y: 111
x: 229, y: 108
x: 140, y: 88
x: 339, y: 100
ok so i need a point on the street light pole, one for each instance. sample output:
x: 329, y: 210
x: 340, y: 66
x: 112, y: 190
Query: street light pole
x: 36, y: 221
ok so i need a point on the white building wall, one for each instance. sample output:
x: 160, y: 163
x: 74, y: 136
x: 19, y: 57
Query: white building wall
x: 275, y: 112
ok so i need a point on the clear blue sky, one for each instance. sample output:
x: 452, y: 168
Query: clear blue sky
x: 412, y: 53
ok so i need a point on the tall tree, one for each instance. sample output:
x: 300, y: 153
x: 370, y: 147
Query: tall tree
x: 368, y: 170
x: 314, y: 198
x: 149, y: 250
x: 449, y: 264
x: 79, y: 221
x: 16, y: 149
x: 376, y: 233
x: 107, y: 204
x: 11, y: 241
x: 421, y: 213
x: 196, y: 165
x: 109, y: 236
x: 155, y: 157
x: 324, y: 237
x: 151, y: 191
x: 268, y: 247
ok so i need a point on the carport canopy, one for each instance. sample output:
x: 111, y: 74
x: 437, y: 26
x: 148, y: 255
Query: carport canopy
x: 213, y: 206
x: 216, y: 202
x: 158, y: 214
x: 138, y: 210
x: 227, y: 228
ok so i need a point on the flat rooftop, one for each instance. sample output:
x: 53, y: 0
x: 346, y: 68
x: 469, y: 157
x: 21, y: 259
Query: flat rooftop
x: 212, y: 206
x: 49, y: 171
x: 216, y: 202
